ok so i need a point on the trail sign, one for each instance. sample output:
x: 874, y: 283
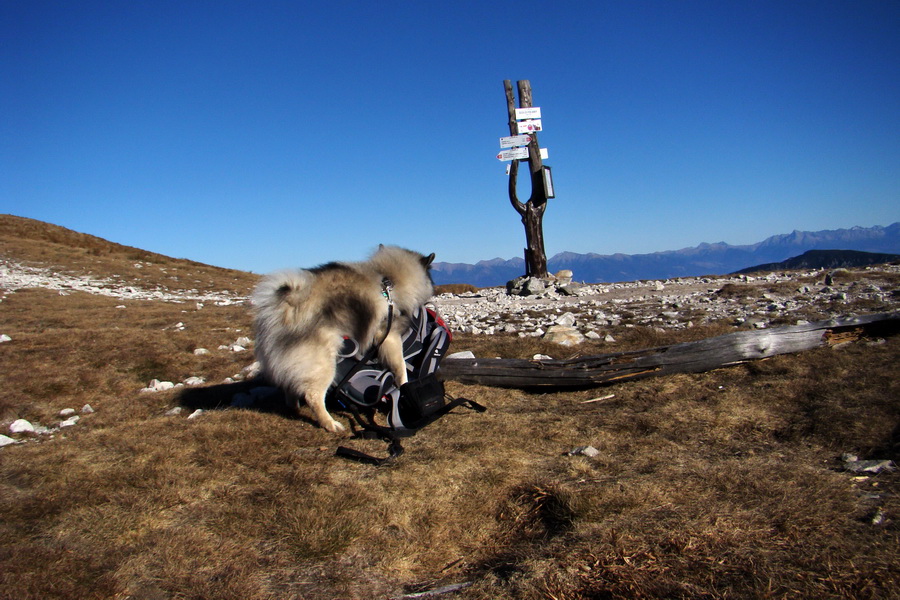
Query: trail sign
x: 529, y: 126
x: 530, y: 112
x: 515, y: 140
x: 513, y: 154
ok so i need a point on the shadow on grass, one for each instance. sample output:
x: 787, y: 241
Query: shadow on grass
x: 254, y: 394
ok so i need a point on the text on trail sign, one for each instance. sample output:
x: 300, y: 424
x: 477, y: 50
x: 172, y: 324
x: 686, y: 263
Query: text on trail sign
x: 519, y: 154
x: 513, y: 154
x: 530, y: 112
x: 515, y: 140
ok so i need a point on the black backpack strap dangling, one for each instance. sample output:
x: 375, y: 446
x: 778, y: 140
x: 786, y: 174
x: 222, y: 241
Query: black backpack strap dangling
x: 371, y: 430
x: 394, y: 450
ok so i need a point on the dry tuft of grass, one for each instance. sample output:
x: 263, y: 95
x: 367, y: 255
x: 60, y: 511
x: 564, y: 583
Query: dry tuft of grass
x: 726, y: 484
x: 455, y: 288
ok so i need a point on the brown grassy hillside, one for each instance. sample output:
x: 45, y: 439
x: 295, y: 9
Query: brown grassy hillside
x: 727, y: 484
x: 32, y: 242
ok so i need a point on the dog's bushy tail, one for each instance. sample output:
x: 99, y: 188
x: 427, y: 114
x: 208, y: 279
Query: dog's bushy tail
x: 284, y: 290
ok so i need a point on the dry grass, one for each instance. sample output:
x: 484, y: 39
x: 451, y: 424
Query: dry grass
x: 455, y: 288
x: 717, y: 485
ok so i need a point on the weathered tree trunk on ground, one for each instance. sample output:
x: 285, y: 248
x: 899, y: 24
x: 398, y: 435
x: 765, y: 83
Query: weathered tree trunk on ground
x: 690, y: 357
x: 532, y: 211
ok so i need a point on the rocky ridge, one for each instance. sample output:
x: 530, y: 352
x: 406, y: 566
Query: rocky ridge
x: 15, y: 276
x: 753, y: 301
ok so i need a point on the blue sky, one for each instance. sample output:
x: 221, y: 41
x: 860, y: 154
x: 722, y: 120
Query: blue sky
x: 267, y: 134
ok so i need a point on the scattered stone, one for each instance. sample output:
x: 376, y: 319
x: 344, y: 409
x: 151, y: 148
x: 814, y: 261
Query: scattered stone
x: 195, y: 414
x: 173, y: 411
x: 6, y: 440
x: 5, y: 338
x: 17, y: 276
x: 87, y: 409
x: 21, y: 426
x: 609, y: 339
x: 588, y: 451
x: 159, y: 386
x: 232, y: 347
x: 564, y: 336
x: 243, y: 341
x: 70, y: 421
x: 566, y: 320
x: 66, y: 412
x: 592, y: 335
x: 541, y: 357
x: 463, y: 354
x: 201, y: 351
x: 252, y: 370
x: 526, y: 286
x: 194, y: 381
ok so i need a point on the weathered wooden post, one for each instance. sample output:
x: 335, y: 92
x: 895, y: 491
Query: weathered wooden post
x: 532, y: 211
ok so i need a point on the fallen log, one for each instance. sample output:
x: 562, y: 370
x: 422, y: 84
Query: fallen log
x: 689, y: 357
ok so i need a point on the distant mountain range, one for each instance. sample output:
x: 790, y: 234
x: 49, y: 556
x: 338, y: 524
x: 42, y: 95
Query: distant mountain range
x: 706, y: 259
x: 826, y: 259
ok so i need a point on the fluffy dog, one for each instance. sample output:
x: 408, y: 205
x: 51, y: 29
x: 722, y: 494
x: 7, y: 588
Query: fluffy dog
x: 302, y: 316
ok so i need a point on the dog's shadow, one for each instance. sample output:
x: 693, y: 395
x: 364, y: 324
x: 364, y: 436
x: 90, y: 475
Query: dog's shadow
x: 254, y: 394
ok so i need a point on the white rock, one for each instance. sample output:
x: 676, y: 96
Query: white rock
x: 87, y: 409
x: 463, y: 354
x: 592, y: 335
x: 67, y: 412
x: 243, y: 341
x: 566, y: 320
x: 541, y: 357
x: 158, y: 386
x: 252, y: 370
x: 21, y: 426
x: 5, y: 338
x: 564, y: 336
x: 70, y: 421
x: 195, y: 414
x: 588, y: 451
x: 609, y: 338
x: 201, y: 351
x: 173, y: 411
x: 6, y: 440
x: 194, y: 381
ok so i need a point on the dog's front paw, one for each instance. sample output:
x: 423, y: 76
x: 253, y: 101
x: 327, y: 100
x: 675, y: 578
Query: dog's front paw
x: 335, y: 427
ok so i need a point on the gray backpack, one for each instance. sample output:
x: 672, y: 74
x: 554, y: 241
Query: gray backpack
x: 363, y: 386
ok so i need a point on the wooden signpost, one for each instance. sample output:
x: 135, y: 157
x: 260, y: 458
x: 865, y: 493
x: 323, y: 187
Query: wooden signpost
x: 525, y: 122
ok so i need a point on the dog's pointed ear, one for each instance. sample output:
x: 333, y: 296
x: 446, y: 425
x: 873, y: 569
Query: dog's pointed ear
x: 427, y: 260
